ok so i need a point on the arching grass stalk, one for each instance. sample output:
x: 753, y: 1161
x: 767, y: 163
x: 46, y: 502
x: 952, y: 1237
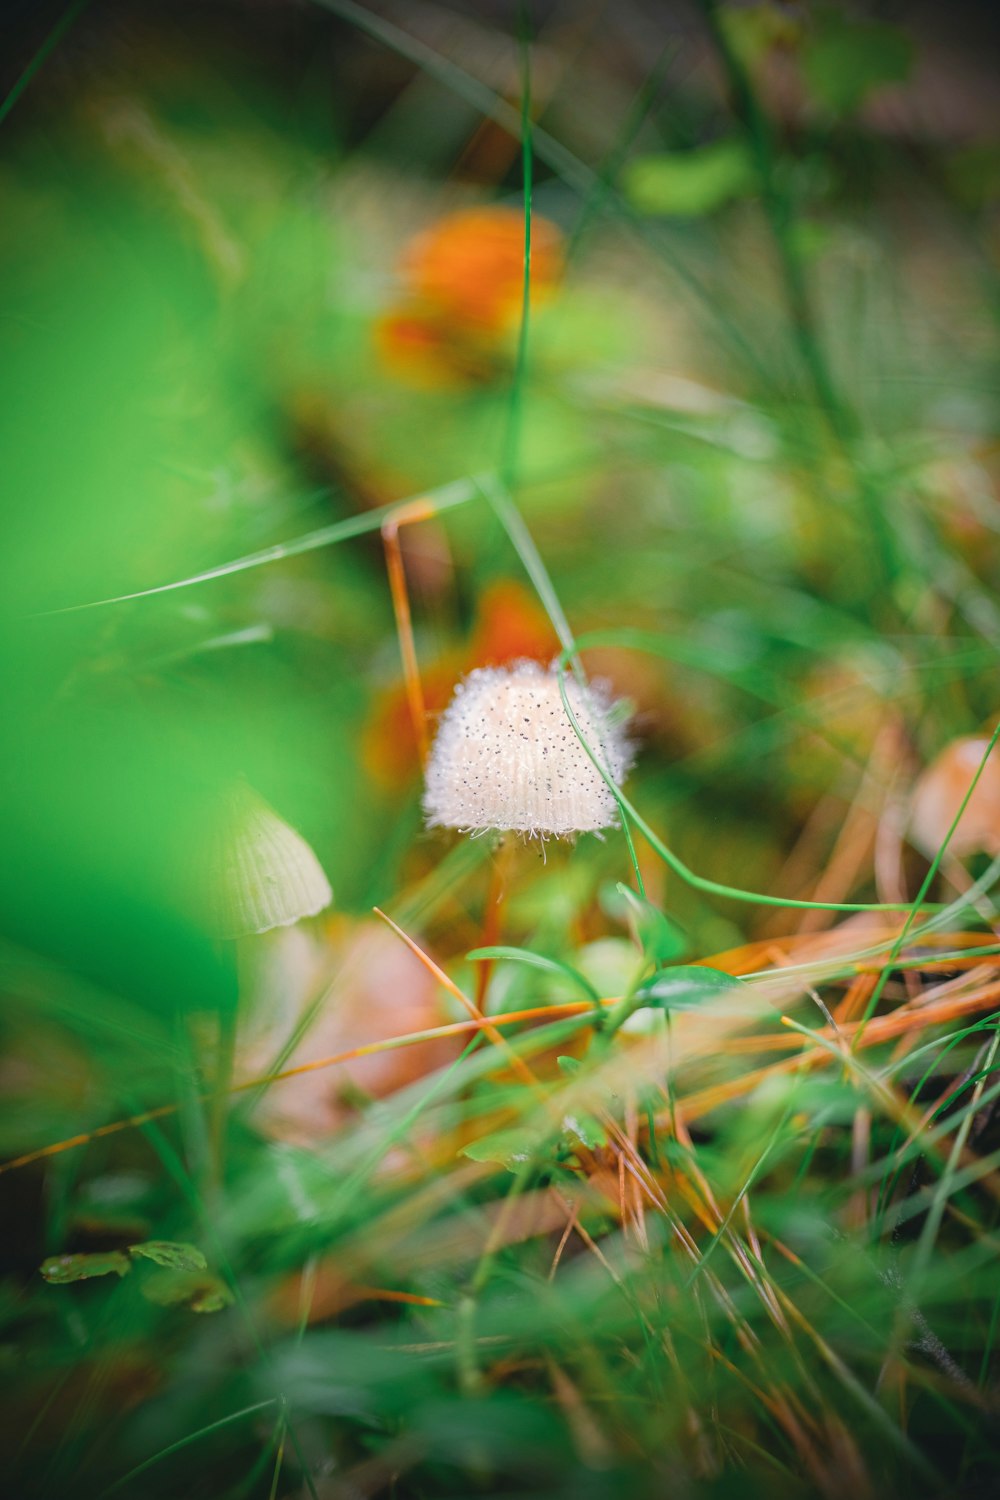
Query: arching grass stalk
x: 460, y: 492
x: 700, y: 882
x: 51, y: 42
x: 193, y: 1437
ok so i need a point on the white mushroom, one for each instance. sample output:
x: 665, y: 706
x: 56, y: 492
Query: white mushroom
x: 507, y: 756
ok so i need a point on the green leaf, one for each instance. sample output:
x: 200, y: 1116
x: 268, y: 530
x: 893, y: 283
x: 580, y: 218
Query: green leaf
x: 199, y: 1292
x: 509, y: 1148
x: 752, y: 31
x: 586, y: 1129
x: 59, y: 1269
x: 211, y: 1299
x: 845, y: 59
x: 178, y: 1256
x: 686, y: 987
x: 688, y: 184
x: 536, y: 961
x: 661, y: 939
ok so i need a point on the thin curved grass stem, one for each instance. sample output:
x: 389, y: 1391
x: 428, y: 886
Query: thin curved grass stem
x: 71, y: 14
x: 675, y: 863
x: 459, y: 492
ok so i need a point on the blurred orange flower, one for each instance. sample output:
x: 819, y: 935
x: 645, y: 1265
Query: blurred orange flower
x: 510, y: 625
x: 464, y: 283
x: 468, y: 268
x: 420, y: 351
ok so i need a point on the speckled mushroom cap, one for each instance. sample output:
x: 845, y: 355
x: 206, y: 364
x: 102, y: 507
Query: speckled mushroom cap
x: 507, y: 757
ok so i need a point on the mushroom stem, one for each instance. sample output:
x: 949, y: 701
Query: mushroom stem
x: 225, y: 1059
x: 496, y: 895
x: 234, y: 1013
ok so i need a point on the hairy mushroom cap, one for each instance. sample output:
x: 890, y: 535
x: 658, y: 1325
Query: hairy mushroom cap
x: 938, y: 795
x: 260, y: 873
x: 507, y: 757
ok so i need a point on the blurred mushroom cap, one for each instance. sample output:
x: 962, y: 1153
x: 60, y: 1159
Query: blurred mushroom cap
x: 938, y: 795
x: 368, y: 987
x: 259, y: 872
